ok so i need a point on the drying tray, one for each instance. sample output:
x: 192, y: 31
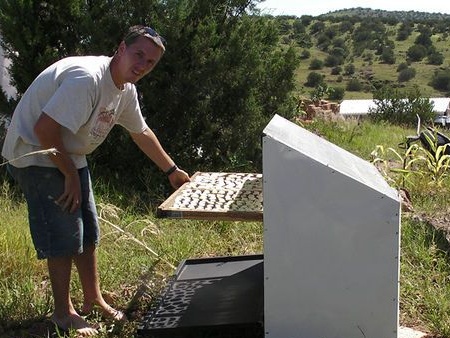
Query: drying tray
x: 218, y: 294
x: 217, y: 196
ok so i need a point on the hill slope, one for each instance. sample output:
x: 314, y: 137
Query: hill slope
x: 357, y: 56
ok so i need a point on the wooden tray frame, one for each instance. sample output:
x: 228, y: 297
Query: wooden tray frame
x: 166, y: 209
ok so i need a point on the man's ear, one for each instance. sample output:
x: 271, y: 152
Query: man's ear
x: 121, y: 48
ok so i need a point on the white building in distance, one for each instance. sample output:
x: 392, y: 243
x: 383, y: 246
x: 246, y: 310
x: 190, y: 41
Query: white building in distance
x: 359, y: 108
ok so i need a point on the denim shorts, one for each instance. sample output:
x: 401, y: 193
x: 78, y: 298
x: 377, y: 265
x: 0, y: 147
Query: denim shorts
x: 55, y: 232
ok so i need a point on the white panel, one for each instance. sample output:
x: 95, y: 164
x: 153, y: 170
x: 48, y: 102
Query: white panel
x: 331, y: 240
x: 327, y: 153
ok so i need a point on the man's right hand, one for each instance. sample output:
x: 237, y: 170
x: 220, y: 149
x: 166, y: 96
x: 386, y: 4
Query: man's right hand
x: 70, y: 200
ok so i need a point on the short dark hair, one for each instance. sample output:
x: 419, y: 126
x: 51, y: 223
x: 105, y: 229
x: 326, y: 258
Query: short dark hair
x: 139, y: 30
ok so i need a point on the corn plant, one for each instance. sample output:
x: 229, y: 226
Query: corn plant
x: 431, y: 162
x: 400, y: 170
x: 437, y: 161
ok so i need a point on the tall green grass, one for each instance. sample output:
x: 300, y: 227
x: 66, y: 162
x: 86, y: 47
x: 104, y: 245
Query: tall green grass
x: 138, y: 252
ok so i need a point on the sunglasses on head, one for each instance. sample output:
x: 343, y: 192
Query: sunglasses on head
x: 150, y: 31
x: 146, y: 31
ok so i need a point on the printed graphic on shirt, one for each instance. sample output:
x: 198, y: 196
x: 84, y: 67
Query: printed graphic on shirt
x: 103, y: 124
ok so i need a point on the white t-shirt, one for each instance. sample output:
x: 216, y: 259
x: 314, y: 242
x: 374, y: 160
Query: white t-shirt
x: 78, y: 93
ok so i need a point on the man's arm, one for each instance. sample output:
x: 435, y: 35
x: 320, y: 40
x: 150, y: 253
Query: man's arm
x: 150, y: 145
x: 48, y: 131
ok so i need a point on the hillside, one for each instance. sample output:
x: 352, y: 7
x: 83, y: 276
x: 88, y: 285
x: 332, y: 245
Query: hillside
x: 354, y: 56
x: 414, y: 16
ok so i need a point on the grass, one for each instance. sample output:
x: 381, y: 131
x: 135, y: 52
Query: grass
x: 138, y: 252
x: 425, y: 290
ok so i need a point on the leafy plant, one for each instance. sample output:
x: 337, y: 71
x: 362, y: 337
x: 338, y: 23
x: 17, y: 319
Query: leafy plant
x: 437, y: 160
x: 401, y: 108
x: 399, y: 169
x: 319, y: 92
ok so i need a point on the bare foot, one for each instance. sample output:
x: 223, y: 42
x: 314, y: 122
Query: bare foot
x: 74, y: 322
x: 106, y: 310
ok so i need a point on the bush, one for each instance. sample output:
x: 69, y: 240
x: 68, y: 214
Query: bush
x: 402, y: 66
x: 336, y: 93
x: 349, y: 69
x: 387, y: 56
x: 305, y: 54
x: 406, y: 74
x: 314, y: 79
x: 401, y: 108
x: 436, y: 58
x: 354, y: 85
x: 441, y: 80
x: 316, y: 64
x: 333, y: 60
x: 416, y: 52
x: 336, y: 70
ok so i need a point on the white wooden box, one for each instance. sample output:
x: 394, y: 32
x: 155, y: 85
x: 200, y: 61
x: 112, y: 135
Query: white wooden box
x: 331, y: 240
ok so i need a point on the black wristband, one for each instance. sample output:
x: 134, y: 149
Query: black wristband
x: 171, y: 170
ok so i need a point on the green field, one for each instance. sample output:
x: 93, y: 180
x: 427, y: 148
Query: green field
x: 138, y: 252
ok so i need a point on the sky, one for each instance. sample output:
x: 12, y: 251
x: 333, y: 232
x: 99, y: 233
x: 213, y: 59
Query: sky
x: 317, y: 7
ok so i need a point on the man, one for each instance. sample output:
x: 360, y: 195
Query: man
x: 71, y: 106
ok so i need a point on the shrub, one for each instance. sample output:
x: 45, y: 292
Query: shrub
x: 316, y: 64
x: 314, y: 79
x: 336, y: 70
x: 354, y: 85
x: 333, y: 60
x: 305, y: 54
x: 441, y: 80
x: 349, y: 69
x: 435, y: 58
x: 402, y: 66
x: 388, y: 56
x: 401, y: 108
x: 336, y: 93
x: 416, y: 52
x: 406, y: 74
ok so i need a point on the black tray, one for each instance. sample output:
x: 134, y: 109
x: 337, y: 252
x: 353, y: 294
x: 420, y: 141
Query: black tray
x: 220, y: 295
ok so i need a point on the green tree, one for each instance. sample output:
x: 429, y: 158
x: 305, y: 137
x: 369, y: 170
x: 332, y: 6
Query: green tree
x: 349, y: 69
x: 387, y: 56
x: 416, y: 52
x: 336, y: 93
x: 404, y: 31
x: 406, y: 74
x: 402, y: 66
x: 395, y: 106
x: 314, y: 79
x: 354, y: 85
x: 441, y: 80
x: 298, y: 27
x: 316, y: 64
x: 424, y: 38
x: 435, y: 58
x: 208, y: 100
x: 336, y: 70
x: 333, y: 60
x: 346, y: 27
x: 305, y: 54
x: 48, y: 31
x: 317, y: 27
x: 306, y: 20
